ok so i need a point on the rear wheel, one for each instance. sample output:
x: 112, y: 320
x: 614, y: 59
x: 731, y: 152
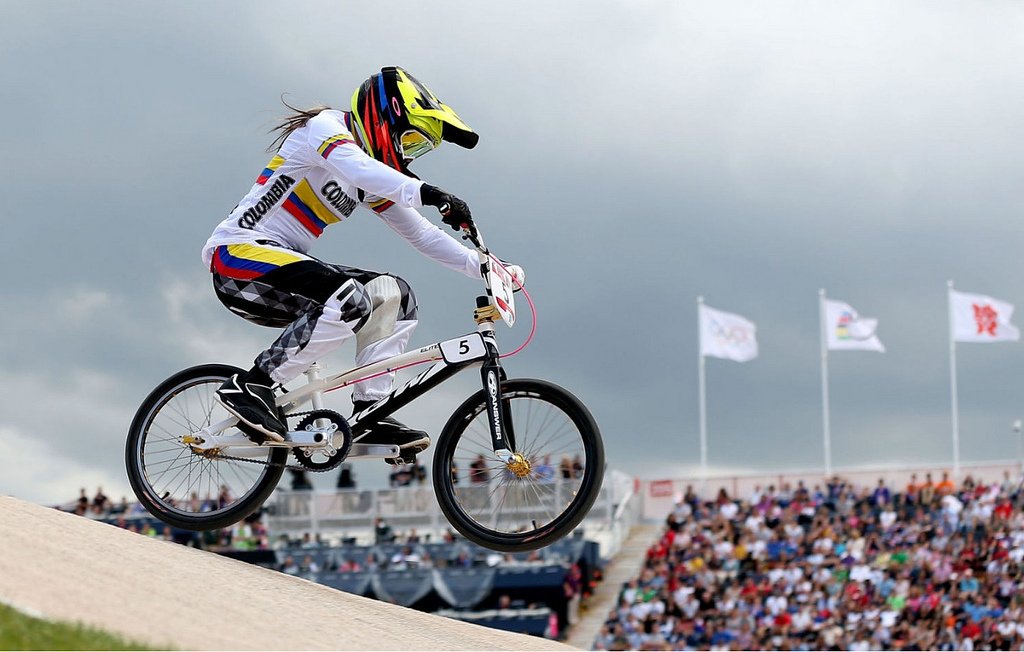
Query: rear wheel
x: 540, y: 496
x: 184, y: 488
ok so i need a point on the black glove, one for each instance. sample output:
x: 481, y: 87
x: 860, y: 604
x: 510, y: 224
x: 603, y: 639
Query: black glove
x: 454, y: 212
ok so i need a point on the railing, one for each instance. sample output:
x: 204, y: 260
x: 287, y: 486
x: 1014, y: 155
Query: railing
x: 622, y: 510
x: 353, y: 514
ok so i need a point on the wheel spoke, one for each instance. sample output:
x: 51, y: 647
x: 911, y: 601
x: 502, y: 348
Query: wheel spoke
x: 526, y: 495
x: 185, y: 482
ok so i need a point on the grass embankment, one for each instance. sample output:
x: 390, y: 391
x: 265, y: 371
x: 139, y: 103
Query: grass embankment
x: 21, y: 632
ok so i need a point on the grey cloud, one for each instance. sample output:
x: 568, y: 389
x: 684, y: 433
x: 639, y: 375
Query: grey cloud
x: 633, y: 156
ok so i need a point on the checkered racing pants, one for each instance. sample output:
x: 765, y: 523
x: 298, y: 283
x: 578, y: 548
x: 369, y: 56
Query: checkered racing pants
x: 321, y: 305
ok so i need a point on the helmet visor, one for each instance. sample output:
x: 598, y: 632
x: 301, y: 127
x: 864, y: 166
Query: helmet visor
x: 415, y: 144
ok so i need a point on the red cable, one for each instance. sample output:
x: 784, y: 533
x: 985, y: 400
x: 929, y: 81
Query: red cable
x: 533, y: 314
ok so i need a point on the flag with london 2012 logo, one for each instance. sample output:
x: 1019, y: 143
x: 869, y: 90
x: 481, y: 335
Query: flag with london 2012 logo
x: 979, y: 318
x: 848, y: 331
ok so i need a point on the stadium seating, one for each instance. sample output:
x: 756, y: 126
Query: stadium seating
x: 937, y: 566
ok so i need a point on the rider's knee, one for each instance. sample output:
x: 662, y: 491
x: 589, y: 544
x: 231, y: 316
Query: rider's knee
x: 407, y: 300
x: 351, y: 303
x: 391, y: 296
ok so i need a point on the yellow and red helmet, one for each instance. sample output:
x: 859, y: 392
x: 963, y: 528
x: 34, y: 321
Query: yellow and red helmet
x: 398, y: 119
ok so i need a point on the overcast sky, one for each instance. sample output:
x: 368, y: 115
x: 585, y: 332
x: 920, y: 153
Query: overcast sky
x: 633, y: 156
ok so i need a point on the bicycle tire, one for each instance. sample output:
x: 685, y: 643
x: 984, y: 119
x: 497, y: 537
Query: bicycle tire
x: 169, y: 408
x: 454, y: 501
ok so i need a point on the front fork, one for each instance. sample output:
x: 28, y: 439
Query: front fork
x: 499, y: 416
x: 498, y: 419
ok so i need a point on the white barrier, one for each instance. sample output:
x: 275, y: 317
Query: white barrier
x: 352, y: 513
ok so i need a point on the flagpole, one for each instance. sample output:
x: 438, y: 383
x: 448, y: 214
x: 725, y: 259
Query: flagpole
x: 826, y: 429
x: 952, y: 384
x: 702, y: 391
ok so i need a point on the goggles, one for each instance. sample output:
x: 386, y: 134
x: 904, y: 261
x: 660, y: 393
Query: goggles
x: 415, y: 144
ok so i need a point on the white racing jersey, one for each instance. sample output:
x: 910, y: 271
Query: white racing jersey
x: 317, y: 178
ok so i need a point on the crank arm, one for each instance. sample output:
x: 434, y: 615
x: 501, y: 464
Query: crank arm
x: 294, y: 439
x: 373, y: 450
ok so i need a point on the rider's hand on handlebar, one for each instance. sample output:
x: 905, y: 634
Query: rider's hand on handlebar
x: 454, y: 212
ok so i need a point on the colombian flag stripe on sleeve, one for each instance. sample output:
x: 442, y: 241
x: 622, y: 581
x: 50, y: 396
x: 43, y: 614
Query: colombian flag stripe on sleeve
x: 269, y: 170
x: 328, y: 145
x: 381, y: 206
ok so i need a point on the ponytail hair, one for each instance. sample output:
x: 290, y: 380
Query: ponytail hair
x: 297, y: 119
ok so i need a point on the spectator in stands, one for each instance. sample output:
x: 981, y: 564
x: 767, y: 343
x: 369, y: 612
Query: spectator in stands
x: 1009, y: 486
x: 926, y: 490
x: 401, y: 476
x: 881, y: 496
x: 122, y: 507
x: 289, y: 566
x: 946, y: 486
x: 951, y: 509
x: 405, y: 558
x: 82, y: 506
x: 244, y: 536
x: 299, y: 480
x: 309, y: 568
x: 565, y: 468
x: 100, y: 503
x: 478, y: 471
x: 912, y: 488
x: 224, y: 498
x: 349, y: 565
x: 346, y: 478
x: 572, y: 589
x: 545, y: 472
x: 462, y: 560
x: 382, y: 532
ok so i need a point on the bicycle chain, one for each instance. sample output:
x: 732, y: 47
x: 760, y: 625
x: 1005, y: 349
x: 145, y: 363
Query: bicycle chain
x: 294, y: 467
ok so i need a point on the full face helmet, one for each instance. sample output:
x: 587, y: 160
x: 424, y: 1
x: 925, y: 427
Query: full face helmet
x: 398, y: 119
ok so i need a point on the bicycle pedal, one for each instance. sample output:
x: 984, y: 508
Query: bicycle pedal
x: 408, y: 458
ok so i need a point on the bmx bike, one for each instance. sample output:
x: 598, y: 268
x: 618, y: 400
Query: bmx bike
x: 517, y: 466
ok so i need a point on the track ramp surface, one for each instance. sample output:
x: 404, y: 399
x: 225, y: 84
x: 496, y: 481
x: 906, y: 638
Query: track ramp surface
x: 66, y: 567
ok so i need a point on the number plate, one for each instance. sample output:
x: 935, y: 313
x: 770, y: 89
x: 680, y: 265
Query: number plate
x: 500, y: 286
x: 461, y: 349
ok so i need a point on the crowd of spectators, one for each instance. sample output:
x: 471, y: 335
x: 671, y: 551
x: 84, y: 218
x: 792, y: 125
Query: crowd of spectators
x: 929, y: 566
x: 250, y: 534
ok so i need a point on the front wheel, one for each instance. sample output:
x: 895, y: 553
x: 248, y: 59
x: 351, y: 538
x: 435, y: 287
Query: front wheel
x: 180, y: 486
x: 540, y: 496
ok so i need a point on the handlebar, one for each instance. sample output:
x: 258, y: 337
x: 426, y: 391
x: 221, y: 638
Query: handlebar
x: 471, y: 233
